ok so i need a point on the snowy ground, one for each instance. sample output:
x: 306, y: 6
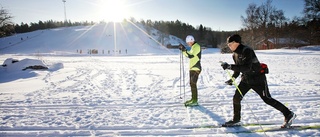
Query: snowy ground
x: 140, y: 95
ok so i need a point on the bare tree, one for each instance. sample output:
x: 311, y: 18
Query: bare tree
x: 261, y: 21
x: 276, y: 25
x: 312, y: 9
x: 278, y: 18
x: 5, y: 22
x: 312, y: 18
x: 265, y: 14
x: 251, y: 22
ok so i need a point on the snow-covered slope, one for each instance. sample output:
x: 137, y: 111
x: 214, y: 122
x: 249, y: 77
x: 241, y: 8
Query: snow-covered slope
x: 124, y: 38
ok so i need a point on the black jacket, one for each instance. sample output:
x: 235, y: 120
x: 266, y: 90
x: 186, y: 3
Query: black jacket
x: 248, y: 64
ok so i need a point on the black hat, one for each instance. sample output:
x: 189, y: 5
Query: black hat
x: 234, y: 38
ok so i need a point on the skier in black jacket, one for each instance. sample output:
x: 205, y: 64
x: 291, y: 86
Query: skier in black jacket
x: 248, y: 64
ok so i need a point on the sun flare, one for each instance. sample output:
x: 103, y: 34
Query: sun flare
x: 112, y: 10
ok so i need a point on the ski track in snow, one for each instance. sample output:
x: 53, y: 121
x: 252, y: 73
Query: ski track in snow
x: 140, y: 95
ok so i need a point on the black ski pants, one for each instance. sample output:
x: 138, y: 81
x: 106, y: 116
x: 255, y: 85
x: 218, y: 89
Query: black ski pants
x: 263, y: 91
x: 194, y: 74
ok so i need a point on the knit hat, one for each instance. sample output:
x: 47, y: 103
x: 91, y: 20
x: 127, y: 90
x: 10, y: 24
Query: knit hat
x: 234, y: 38
x: 189, y: 38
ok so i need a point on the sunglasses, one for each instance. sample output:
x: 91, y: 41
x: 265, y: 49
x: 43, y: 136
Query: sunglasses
x: 230, y: 43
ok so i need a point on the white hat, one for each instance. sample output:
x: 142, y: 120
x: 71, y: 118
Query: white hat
x: 189, y: 38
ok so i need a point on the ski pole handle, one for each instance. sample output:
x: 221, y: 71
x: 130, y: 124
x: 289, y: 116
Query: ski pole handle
x: 233, y: 80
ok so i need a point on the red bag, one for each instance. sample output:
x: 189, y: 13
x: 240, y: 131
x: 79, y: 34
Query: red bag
x: 264, y: 68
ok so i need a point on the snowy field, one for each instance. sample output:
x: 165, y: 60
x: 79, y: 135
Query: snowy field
x: 139, y: 95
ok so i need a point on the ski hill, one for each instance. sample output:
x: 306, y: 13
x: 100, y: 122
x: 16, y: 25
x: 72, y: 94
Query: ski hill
x: 123, y: 38
x: 141, y: 92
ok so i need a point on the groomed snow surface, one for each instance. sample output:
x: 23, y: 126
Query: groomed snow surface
x: 139, y: 95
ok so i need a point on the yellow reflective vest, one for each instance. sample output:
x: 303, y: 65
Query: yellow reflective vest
x: 194, y: 54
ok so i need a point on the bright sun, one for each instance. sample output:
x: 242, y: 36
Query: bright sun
x: 112, y: 10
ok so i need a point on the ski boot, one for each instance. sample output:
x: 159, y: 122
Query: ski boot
x: 191, y: 103
x: 232, y: 123
x: 288, y: 120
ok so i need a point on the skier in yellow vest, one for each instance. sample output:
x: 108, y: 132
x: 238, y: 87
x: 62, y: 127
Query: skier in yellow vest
x: 194, y: 54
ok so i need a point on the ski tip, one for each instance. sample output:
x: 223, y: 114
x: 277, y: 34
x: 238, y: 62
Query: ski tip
x: 192, y: 106
x: 223, y: 125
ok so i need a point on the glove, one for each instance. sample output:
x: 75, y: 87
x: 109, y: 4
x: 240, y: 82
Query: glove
x: 182, y: 48
x: 229, y: 82
x: 225, y: 66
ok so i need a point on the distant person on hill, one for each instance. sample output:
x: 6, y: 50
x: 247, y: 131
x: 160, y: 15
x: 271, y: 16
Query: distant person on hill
x: 253, y: 77
x: 194, y: 54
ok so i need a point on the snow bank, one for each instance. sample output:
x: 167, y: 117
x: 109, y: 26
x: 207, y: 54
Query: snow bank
x: 11, y: 64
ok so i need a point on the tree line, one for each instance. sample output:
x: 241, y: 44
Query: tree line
x: 267, y: 22
x: 261, y: 22
x: 204, y: 35
x: 24, y: 27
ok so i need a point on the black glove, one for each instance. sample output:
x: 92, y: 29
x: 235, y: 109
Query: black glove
x: 182, y: 48
x: 225, y: 65
x: 229, y: 82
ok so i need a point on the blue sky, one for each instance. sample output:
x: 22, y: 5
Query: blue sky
x: 216, y: 14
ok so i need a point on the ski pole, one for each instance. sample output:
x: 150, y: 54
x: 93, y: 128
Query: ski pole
x: 180, y: 75
x: 183, y: 82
